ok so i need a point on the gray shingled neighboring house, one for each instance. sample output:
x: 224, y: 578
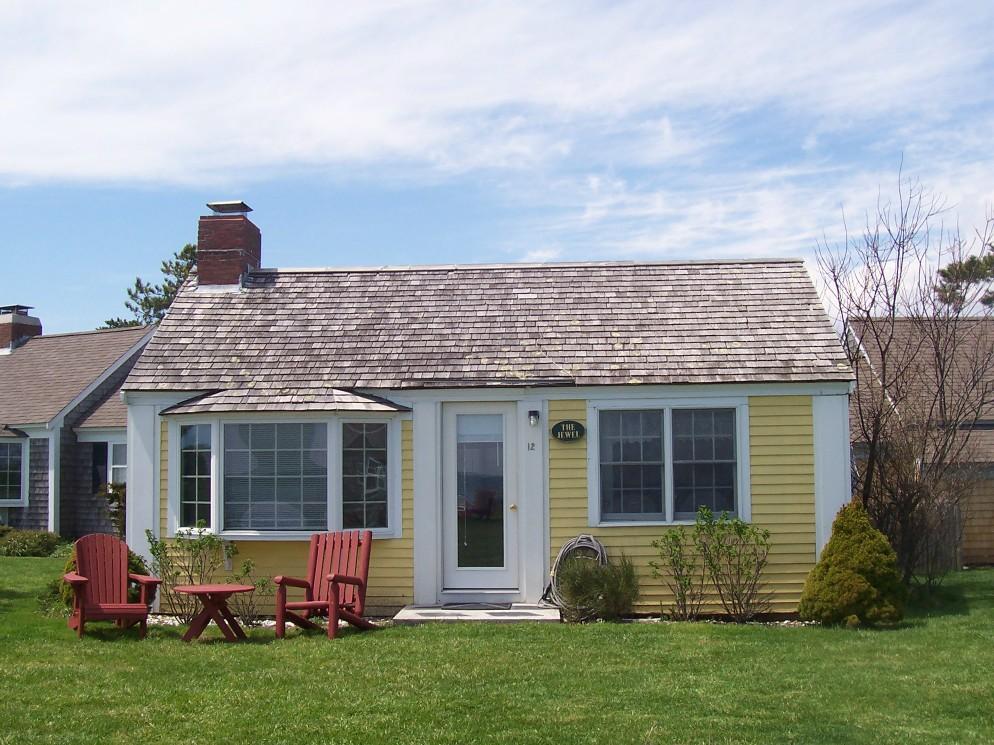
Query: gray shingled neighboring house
x: 476, y: 417
x: 62, y: 422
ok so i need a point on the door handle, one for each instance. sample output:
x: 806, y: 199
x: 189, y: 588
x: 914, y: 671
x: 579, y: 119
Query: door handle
x: 513, y: 507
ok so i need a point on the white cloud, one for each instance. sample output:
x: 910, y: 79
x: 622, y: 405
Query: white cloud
x: 184, y: 92
x: 635, y: 129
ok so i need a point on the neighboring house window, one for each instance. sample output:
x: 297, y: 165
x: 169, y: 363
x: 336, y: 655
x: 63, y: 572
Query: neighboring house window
x: 195, y: 475
x: 11, y: 470
x: 364, y: 475
x: 638, y: 448
x: 99, y: 466
x: 275, y: 476
x: 704, y: 462
x: 118, y: 463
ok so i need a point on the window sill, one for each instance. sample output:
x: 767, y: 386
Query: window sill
x: 13, y: 503
x: 638, y: 523
x: 271, y: 535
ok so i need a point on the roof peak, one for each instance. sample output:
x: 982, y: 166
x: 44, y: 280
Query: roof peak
x: 94, y: 331
x: 521, y: 265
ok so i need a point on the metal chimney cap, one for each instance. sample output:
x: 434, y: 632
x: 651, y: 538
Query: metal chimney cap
x: 17, y: 310
x: 236, y: 207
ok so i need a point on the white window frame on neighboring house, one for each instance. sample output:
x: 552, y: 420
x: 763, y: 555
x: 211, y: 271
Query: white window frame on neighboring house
x: 25, y: 443
x: 743, y: 501
x: 334, y: 423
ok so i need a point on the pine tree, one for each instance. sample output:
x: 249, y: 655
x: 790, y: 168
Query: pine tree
x: 148, y: 302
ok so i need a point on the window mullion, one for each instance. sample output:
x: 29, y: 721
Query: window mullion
x: 668, y: 463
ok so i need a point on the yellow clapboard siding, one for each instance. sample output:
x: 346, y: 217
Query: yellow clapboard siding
x: 391, y: 565
x: 781, y: 440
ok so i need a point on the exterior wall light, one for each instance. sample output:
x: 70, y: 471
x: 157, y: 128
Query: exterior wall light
x: 533, y: 417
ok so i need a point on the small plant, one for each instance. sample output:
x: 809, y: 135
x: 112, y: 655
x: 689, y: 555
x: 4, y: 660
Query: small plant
x: 28, y: 543
x: 252, y: 607
x: 679, y: 566
x: 117, y: 500
x: 856, y: 581
x: 594, y: 591
x: 735, y: 554
x: 187, y: 560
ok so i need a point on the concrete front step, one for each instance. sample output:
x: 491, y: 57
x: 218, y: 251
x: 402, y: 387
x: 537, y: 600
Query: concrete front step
x: 517, y: 613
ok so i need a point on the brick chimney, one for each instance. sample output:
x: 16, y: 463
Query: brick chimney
x: 16, y: 326
x: 228, y: 244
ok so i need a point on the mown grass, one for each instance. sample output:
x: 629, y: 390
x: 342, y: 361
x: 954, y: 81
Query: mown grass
x: 930, y: 680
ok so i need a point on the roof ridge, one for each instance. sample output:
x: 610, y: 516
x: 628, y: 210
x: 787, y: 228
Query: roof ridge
x: 522, y: 265
x: 92, y: 331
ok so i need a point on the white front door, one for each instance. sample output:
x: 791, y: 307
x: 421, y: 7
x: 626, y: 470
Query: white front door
x: 479, y: 498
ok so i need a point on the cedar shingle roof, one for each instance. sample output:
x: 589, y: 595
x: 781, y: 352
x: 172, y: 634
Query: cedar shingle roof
x: 452, y: 326
x: 297, y: 399
x: 41, y: 377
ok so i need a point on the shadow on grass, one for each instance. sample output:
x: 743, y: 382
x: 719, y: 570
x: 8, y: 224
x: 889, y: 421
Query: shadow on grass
x: 944, y: 600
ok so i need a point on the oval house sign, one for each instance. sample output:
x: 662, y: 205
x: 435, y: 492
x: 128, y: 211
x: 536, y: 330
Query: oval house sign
x: 568, y: 430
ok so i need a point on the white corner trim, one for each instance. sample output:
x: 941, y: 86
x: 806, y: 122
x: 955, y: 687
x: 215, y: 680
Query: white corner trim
x: 833, y: 486
x: 57, y: 420
x: 55, y: 480
x: 22, y: 501
x: 427, y: 502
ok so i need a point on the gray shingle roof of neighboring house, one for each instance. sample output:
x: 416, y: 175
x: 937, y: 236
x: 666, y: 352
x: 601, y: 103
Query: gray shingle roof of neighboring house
x: 460, y: 326
x: 44, y: 375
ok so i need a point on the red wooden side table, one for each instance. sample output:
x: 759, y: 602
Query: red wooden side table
x: 214, y: 598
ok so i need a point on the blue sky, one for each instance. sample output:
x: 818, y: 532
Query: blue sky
x: 421, y: 132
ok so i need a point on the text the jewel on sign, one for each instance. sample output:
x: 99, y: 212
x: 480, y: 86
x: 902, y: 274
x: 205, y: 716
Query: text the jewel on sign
x: 568, y: 430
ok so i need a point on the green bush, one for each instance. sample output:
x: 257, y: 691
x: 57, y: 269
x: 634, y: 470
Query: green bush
x: 856, y: 580
x: 594, y: 591
x: 735, y: 554
x: 193, y: 559
x: 28, y: 543
x: 680, y: 568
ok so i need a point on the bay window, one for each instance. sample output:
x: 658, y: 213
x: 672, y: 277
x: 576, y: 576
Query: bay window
x: 662, y: 463
x: 266, y: 478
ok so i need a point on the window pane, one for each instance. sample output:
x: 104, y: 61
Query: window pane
x: 364, y: 475
x: 11, y: 455
x: 631, y: 451
x: 195, y: 474
x: 275, y: 476
x: 119, y: 455
x: 704, y: 461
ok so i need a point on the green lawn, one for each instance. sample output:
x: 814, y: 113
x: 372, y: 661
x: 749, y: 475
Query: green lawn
x: 932, y: 680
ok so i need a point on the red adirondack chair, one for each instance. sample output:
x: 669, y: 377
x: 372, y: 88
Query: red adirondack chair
x: 337, y: 568
x: 100, y: 585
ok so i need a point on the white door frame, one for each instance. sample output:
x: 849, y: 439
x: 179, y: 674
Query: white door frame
x: 532, y: 493
x: 505, y: 578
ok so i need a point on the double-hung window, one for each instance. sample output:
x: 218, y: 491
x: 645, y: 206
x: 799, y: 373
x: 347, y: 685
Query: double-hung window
x: 286, y: 477
x: 663, y: 464
x: 13, y: 472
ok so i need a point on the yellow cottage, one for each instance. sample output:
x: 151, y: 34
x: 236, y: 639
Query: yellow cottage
x: 476, y: 417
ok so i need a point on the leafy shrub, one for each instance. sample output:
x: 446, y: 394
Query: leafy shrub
x: 28, y: 543
x: 856, y: 581
x: 680, y: 568
x: 593, y: 591
x: 57, y: 597
x: 252, y: 607
x: 117, y: 501
x: 187, y: 560
x: 735, y: 554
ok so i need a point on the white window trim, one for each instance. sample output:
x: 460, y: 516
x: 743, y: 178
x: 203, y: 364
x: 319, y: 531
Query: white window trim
x: 334, y: 424
x: 110, y: 460
x: 594, y: 407
x: 25, y: 443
